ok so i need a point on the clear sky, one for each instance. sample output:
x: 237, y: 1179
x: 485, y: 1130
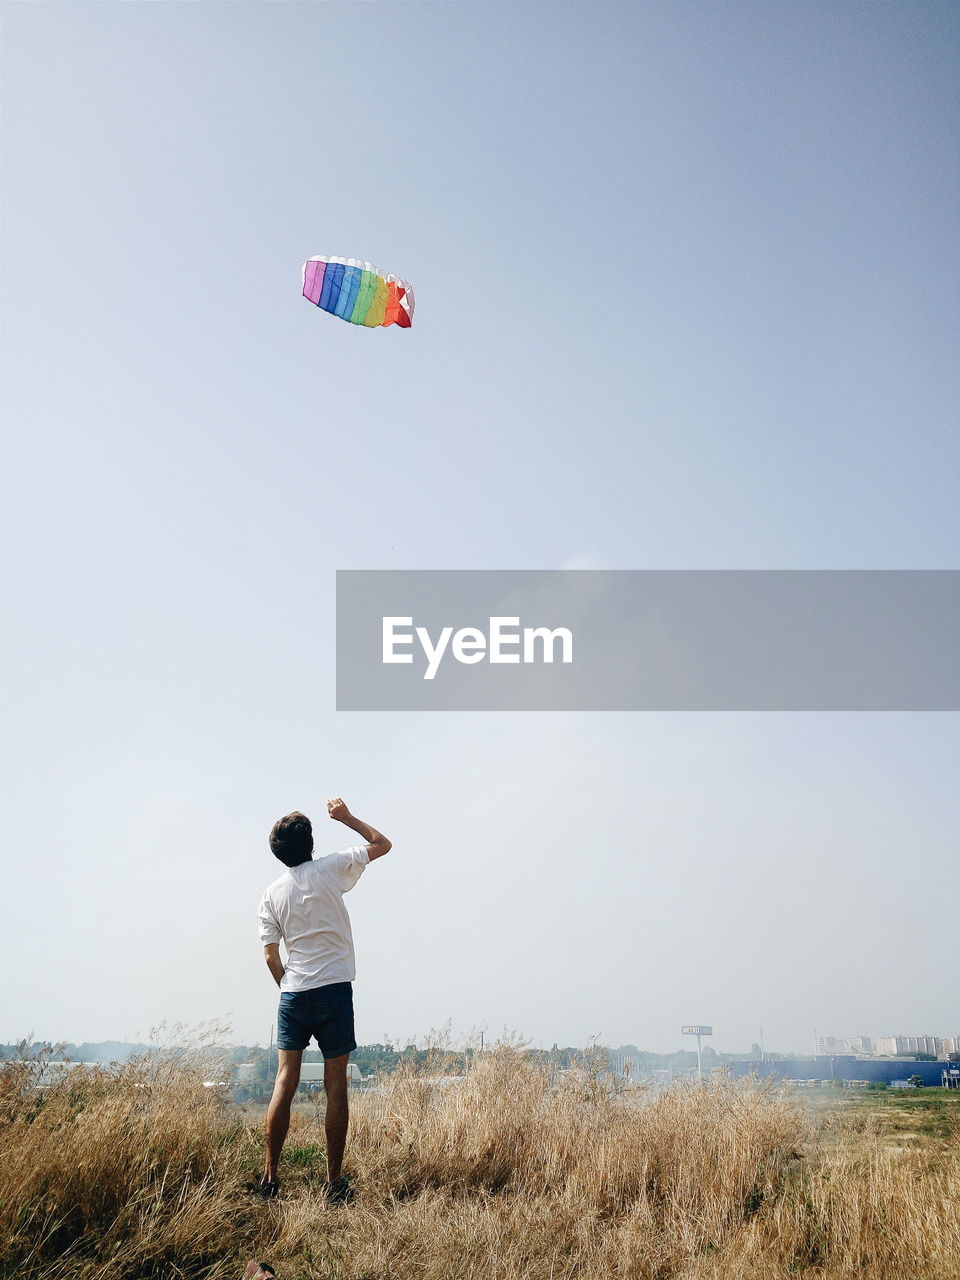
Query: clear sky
x: 687, y: 297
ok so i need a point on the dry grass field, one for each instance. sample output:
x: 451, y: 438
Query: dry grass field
x: 508, y: 1173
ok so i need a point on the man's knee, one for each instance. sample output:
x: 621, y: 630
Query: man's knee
x: 288, y: 1075
x: 287, y: 1079
x: 335, y: 1076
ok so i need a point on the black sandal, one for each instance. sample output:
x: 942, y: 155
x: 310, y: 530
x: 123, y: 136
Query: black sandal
x: 339, y: 1191
x: 266, y: 1190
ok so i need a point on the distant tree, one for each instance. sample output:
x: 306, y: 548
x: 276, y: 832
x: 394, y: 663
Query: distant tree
x: 375, y: 1059
x: 917, y: 1081
x: 262, y: 1060
x: 924, y: 1057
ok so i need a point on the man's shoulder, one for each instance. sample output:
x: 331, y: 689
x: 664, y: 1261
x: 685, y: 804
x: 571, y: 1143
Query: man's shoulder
x: 277, y: 885
x: 335, y: 859
x: 303, y: 870
x: 326, y: 864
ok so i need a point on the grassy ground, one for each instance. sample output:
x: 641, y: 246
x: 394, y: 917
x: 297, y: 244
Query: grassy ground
x: 510, y: 1174
x: 899, y: 1117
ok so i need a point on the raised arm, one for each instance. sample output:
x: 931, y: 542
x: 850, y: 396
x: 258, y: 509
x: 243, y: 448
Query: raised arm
x: 377, y: 844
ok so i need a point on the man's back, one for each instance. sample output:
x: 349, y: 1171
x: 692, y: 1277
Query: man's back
x: 304, y: 907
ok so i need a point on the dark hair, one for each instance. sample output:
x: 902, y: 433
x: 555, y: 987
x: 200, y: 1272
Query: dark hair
x: 291, y: 839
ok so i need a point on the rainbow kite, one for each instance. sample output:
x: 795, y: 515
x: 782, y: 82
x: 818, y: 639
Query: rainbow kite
x: 358, y: 292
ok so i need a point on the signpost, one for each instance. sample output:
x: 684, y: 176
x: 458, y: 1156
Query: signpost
x: 698, y: 1031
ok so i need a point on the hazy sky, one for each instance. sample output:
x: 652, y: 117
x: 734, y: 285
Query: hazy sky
x: 687, y: 297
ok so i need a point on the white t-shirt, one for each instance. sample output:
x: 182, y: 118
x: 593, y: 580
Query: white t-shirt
x: 304, y: 908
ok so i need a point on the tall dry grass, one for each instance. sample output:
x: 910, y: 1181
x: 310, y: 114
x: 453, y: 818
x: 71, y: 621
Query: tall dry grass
x: 509, y: 1173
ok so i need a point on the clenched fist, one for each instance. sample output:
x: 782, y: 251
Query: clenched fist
x: 337, y: 810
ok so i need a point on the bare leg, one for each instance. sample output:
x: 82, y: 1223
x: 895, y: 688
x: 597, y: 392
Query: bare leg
x: 278, y: 1113
x: 338, y: 1112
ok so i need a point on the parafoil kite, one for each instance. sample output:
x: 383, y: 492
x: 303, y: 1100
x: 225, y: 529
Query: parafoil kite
x: 358, y: 292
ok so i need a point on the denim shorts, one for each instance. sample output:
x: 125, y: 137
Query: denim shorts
x: 325, y: 1013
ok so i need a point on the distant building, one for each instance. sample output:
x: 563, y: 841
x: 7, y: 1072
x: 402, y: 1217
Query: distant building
x: 860, y: 1044
x: 312, y: 1073
x: 887, y: 1046
x: 842, y: 1068
x: 850, y: 1044
x: 902, y: 1046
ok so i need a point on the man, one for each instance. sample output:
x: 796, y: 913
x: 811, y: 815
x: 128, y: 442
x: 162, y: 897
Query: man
x: 304, y: 909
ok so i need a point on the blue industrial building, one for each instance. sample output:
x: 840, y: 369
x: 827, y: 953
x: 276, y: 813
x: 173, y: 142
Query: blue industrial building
x: 844, y: 1067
